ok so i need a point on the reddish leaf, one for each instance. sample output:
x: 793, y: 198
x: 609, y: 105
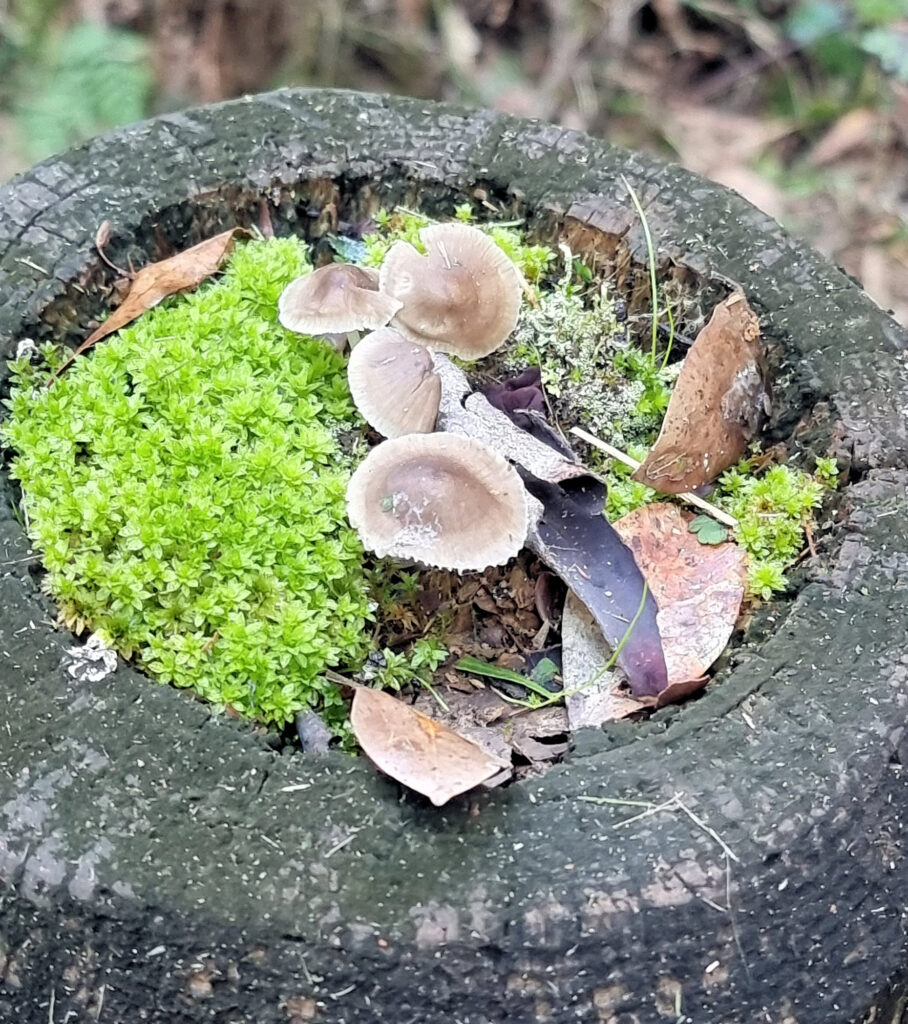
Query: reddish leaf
x: 417, y: 750
x: 697, y: 587
x: 158, y: 280
x: 717, y: 406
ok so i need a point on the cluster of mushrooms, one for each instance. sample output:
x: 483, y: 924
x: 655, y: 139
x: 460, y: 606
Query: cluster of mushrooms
x: 436, y: 497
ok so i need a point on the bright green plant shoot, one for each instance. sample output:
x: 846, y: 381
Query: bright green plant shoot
x: 185, y: 487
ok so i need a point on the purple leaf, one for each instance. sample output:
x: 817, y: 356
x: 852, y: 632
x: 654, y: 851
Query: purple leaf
x: 583, y: 548
x: 522, y: 400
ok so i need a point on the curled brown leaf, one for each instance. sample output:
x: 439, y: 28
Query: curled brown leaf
x: 718, y: 404
x: 417, y: 750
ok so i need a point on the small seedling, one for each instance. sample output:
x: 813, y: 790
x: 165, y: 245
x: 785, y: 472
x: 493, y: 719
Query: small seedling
x: 707, y: 530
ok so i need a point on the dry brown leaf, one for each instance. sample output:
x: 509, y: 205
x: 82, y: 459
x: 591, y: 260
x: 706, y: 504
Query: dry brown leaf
x: 858, y: 129
x: 155, y: 282
x: 417, y: 750
x: 698, y: 588
x: 717, y: 406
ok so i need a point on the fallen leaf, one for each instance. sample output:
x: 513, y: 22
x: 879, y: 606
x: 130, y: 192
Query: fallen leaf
x: 717, y: 406
x: 155, y: 282
x: 417, y: 750
x: 580, y: 544
x: 523, y: 401
x: 697, y: 588
x: 500, y: 728
x: 857, y: 130
x: 567, y: 529
x: 464, y: 411
x: 592, y: 696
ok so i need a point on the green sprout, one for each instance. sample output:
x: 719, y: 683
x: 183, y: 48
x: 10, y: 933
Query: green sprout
x: 651, y: 260
x: 708, y: 530
x: 416, y: 667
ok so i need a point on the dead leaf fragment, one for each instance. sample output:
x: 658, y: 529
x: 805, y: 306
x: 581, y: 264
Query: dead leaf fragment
x: 593, y: 694
x: 717, y: 407
x: 698, y: 589
x: 155, y: 282
x: 416, y: 749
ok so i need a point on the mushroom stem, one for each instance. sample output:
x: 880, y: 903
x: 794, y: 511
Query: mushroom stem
x: 692, y: 499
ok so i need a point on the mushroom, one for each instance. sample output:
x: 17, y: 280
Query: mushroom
x: 441, y: 499
x: 394, y: 384
x: 462, y: 297
x: 335, y: 299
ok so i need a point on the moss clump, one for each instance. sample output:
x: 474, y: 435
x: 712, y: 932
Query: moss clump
x: 774, y: 510
x: 185, y: 487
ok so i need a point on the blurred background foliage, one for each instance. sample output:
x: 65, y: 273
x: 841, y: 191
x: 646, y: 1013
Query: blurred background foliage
x: 800, y: 105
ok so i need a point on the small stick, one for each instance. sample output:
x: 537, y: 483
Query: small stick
x: 693, y: 499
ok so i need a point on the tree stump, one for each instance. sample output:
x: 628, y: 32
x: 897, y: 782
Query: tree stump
x: 164, y: 864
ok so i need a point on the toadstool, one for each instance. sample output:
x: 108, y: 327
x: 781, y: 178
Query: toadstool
x: 440, y: 499
x: 463, y: 296
x: 394, y: 384
x: 335, y: 299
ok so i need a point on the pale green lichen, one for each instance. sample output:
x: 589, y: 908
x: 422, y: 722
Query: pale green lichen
x: 592, y: 373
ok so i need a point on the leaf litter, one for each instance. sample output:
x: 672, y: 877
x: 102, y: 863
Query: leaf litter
x: 155, y: 282
x: 717, y: 407
x: 419, y: 751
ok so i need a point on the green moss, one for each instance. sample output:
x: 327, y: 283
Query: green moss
x: 624, y: 494
x: 185, y: 487
x: 185, y: 484
x: 774, y: 509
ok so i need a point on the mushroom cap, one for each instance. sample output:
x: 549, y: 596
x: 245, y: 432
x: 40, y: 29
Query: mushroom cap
x: 334, y: 299
x: 441, y: 499
x: 462, y: 297
x: 394, y: 384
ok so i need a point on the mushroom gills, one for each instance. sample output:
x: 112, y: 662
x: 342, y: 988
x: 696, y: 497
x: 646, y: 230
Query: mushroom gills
x: 394, y: 384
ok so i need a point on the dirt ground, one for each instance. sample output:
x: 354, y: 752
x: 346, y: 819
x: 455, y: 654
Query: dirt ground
x: 774, y: 98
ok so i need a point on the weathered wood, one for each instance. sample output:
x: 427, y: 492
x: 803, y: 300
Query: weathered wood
x: 164, y: 864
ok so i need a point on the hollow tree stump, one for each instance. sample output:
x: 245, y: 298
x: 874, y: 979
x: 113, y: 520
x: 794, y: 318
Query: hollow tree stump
x: 163, y: 864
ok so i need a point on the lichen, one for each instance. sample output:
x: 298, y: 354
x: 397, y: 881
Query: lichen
x: 592, y: 373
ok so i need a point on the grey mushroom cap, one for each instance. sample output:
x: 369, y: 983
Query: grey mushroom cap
x: 394, y: 384
x: 463, y: 296
x: 334, y: 299
x: 441, y: 499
